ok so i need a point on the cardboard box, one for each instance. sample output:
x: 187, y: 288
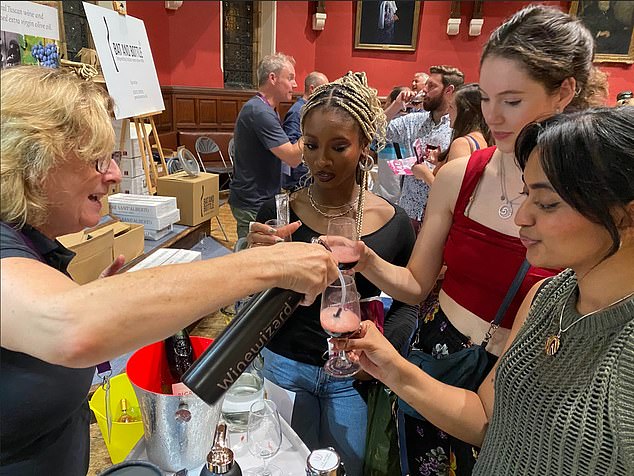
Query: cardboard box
x: 153, y: 223
x: 131, y: 167
x: 134, y: 185
x: 128, y: 239
x: 155, y: 235
x: 96, y: 248
x: 141, y: 205
x: 197, y: 197
x: 93, y: 254
x: 130, y: 147
x: 105, y: 207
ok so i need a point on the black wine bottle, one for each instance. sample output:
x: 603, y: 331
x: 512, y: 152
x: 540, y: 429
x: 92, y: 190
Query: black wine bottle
x: 180, y: 356
x: 241, y: 341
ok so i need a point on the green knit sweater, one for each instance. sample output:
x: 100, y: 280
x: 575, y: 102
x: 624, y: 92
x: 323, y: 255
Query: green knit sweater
x: 571, y: 413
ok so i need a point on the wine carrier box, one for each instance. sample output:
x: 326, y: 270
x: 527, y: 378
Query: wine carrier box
x: 197, y: 197
x: 153, y: 223
x: 155, y: 235
x: 96, y: 248
x: 92, y: 254
x: 141, y: 205
x: 131, y: 167
x: 134, y: 185
x: 130, y: 147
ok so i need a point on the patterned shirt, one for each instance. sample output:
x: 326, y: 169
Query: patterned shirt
x: 405, y: 130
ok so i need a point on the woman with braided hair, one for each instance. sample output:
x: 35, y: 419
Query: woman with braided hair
x: 339, y: 122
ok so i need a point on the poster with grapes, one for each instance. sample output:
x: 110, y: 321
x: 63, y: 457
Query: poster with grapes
x: 28, y: 34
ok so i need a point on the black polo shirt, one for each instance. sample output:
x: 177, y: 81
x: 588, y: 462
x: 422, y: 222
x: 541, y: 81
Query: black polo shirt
x: 44, y: 414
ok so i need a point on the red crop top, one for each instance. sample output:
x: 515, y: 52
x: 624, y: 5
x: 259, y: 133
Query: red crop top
x: 481, y: 262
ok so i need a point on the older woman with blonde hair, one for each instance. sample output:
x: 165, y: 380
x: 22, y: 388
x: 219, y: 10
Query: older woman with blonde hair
x: 56, y: 165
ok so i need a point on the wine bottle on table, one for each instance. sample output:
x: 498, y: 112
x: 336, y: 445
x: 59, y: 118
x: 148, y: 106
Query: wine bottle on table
x: 180, y: 356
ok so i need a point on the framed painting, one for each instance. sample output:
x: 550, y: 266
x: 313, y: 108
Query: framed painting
x: 387, y: 25
x: 612, y: 26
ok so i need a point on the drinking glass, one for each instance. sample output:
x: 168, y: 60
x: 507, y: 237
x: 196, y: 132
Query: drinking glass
x: 264, y: 436
x: 340, y: 317
x: 432, y: 144
x: 342, y: 239
x: 246, y: 390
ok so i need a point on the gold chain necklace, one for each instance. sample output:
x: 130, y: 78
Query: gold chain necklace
x: 553, y: 343
x: 316, y: 206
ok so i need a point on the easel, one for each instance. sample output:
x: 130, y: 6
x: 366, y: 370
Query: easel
x: 149, y: 166
x: 145, y: 148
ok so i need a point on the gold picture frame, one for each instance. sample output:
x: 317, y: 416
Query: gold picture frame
x: 387, y: 25
x: 612, y: 28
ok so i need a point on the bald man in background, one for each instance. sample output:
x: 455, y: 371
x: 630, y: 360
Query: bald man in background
x: 291, y: 125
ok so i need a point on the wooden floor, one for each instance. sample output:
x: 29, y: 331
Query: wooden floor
x: 210, y: 326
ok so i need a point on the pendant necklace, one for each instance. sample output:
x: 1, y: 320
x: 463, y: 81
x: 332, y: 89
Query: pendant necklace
x: 506, y: 209
x: 553, y: 342
x: 348, y: 206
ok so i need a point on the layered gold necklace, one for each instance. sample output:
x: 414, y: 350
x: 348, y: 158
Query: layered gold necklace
x: 347, y: 207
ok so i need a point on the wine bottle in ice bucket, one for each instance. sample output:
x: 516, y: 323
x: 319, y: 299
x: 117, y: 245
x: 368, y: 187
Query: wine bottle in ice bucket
x: 180, y: 356
x: 223, y: 362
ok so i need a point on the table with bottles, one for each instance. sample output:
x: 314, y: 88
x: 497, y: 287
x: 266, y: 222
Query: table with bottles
x: 291, y: 457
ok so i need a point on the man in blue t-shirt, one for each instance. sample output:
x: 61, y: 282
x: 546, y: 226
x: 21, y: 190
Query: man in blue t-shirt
x: 292, y: 127
x: 261, y: 145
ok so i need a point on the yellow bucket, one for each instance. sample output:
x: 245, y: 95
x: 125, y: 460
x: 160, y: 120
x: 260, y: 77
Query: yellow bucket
x: 123, y: 436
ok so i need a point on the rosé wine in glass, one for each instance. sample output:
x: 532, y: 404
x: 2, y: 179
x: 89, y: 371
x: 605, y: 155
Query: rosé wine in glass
x: 346, y: 324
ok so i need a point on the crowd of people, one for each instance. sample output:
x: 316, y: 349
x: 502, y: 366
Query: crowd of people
x: 525, y: 183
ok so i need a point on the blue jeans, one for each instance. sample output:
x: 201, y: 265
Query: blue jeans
x: 328, y: 411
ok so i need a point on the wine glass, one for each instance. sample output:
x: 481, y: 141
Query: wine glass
x: 342, y: 239
x: 264, y: 436
x: 340, y: 317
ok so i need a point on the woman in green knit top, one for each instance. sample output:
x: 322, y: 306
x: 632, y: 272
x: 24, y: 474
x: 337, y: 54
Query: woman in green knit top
x: 561, y: 398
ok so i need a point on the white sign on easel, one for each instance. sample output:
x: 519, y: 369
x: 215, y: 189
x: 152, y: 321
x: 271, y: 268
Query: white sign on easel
x: 28, y: 18
x: 126, y: 60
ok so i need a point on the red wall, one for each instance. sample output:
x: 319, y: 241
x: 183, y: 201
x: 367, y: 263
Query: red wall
x: 186, y: 43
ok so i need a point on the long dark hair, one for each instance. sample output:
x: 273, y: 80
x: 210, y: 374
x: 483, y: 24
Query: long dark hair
x: 469, y: 116
x: 588, y: 157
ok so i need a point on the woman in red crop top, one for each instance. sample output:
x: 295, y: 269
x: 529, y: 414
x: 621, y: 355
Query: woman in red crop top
x: 469, y: 222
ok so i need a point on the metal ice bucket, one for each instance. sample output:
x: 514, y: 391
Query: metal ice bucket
x: 178, y: 430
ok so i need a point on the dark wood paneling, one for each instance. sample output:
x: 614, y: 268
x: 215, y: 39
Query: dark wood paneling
x: 204, y: 109
x: 228, y: 111
x: 207, y: 108
x: 185, y: 112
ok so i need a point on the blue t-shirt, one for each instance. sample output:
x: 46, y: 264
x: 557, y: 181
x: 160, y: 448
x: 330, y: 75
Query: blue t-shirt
x: 44, y: 413
x: 256, y: 171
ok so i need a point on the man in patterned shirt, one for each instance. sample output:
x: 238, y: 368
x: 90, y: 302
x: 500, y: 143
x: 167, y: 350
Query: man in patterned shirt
x: 431, y: 126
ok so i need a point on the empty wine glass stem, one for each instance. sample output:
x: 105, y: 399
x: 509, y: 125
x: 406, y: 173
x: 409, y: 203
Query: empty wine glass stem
x: 265, y: 467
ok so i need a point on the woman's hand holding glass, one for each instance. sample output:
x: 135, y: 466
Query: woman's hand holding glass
x: 264, y: 436
x: 375, y: 354
x: 270, y: 233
